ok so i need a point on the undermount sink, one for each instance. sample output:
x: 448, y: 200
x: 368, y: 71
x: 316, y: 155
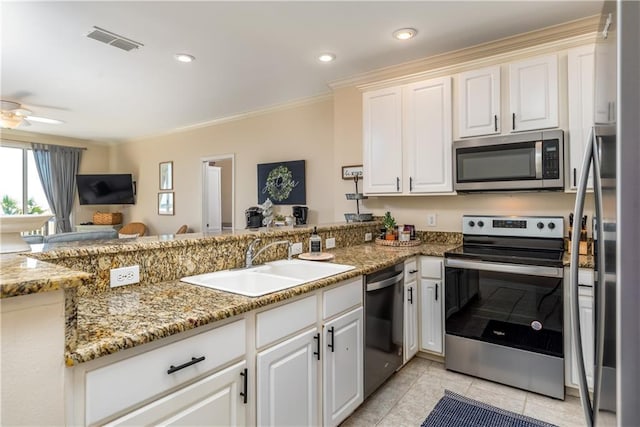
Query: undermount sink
x: 269, y: 277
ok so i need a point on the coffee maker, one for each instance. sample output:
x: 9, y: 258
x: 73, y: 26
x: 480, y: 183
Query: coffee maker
x: 300, y: 214
x: 254, y: 217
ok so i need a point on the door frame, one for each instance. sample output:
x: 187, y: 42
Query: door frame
x: 231, y: 157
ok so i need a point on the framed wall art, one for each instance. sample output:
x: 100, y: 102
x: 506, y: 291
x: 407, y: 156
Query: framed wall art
x: 165, y: 203
x: 166, y: 176
x: 282, y: 182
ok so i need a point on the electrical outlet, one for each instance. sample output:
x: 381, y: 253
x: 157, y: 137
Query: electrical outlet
x: 330, y: 243
x: 368, y: 237
x: 296, y: 248
x: 125, y: 276
x: 431, y: 220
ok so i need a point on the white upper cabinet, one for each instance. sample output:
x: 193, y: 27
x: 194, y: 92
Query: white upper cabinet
x: 533, y: 93
x: 580, y: 72
x: 479, y: 102
x: 427, y: 136
x: 382, y: 145
x: 407, y: 139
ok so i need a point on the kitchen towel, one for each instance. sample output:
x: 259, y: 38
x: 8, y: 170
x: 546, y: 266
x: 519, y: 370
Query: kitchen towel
x: 456, y: 410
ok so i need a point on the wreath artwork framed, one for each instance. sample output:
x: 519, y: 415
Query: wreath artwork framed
x: 282, y: 182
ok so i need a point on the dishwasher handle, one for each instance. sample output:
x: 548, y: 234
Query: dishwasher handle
x: 374, y: 286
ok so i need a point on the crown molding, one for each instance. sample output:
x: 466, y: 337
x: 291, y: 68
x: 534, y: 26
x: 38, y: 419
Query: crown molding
x: 560, y: 36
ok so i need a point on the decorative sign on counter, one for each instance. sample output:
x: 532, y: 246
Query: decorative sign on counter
x: 350, y: 172
x: 282, y: 182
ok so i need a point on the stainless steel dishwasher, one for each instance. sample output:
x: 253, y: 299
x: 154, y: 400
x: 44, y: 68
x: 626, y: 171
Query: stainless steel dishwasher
x: 383, y: 325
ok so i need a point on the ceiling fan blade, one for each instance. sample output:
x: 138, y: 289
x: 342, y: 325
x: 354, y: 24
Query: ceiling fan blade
x: 25, y: 123
x: 23, y: 112
x: 44, y: 120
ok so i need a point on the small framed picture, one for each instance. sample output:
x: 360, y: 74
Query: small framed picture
x: 165, y: 203
x: 166, y: 176
x: 350, y: 172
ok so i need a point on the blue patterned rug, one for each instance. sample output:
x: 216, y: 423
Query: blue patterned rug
x: 455, y: 410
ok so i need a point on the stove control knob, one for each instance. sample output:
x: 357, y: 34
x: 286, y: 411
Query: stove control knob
x: 551, y: 226
x: 471, y: 223
x: 540, y: 225
x: 480, y: 224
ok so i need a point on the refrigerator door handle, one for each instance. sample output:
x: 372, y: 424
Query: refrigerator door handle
x: 599, y: 291
x: 575, y: 313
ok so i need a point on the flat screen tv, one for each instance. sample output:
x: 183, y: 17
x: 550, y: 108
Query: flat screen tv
x: 113, y: 189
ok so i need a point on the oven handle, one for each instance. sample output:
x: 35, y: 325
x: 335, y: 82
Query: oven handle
x: 528, y: 270
x: 385, y: 283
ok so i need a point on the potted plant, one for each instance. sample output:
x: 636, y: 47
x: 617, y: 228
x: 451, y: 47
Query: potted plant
x: 389, y: 223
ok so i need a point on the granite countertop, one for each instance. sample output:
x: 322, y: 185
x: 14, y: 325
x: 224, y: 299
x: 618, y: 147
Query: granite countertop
x: 134, y: 315
x: 22, y: 275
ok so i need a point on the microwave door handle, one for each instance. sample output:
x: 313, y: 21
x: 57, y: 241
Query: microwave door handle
x: 573, y: 277
x: 538, y: 159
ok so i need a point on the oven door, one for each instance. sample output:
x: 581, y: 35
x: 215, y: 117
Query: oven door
x: 519, y: 306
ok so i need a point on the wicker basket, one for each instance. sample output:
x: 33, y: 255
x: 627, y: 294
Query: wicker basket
x: 397, y: 243
x: 107, y: 218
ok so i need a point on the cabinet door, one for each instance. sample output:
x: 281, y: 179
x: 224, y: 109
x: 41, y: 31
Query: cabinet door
x: 343, y: 381
x: 287, y: 382
x: 410, y: 320
x: 431, y: 315
x: 533, y: 93
x: 585, y: 310
x: 427, y: 136
x: 382, y: 141
x: 581, y: 92
x: 215, y: 400
x: 479, y: 102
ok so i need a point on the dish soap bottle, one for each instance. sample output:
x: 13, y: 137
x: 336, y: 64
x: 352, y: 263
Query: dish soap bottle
x: 315, y: 243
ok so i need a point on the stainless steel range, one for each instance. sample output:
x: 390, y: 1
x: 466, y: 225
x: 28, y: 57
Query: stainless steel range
x: 504, y: 302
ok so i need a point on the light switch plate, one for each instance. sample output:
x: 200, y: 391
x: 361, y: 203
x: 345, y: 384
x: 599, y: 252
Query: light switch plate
x: 124, y: 276
x: 330, y: 243
x: 368, y: 237
x: 431, y: 220
x: 296, y: 248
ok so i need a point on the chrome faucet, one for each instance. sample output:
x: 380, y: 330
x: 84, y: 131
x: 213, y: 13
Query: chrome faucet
x: 249, y: 256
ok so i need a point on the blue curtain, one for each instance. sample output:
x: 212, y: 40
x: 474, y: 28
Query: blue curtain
x: 57, y: 168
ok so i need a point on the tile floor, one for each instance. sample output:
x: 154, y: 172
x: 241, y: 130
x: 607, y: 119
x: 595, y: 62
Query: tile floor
x: 409, y: 396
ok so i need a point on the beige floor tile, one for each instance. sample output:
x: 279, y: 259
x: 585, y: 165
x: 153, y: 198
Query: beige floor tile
x: 562, y: 413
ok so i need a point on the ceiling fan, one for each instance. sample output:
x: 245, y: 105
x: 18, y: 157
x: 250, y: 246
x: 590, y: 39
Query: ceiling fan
x: 13, y: 114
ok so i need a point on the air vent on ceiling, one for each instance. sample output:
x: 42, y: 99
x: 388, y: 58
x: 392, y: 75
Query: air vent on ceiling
x: 113, y: 39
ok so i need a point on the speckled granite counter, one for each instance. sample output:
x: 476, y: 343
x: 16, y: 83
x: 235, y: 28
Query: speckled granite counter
x: 21, y: 275
x: 134, y: 315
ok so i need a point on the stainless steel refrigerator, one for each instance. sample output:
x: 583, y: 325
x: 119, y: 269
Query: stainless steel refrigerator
x: 613, y: 156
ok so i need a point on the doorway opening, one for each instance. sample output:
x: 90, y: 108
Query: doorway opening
x: 218, y: 193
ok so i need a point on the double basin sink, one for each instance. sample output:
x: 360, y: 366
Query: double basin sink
x: 269, y: 277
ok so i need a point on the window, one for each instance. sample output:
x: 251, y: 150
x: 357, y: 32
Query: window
x: 20, y: 188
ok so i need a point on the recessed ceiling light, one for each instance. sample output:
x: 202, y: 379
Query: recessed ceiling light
x: 184, y: 57
x: 327, y: 57
x: 405, y: 33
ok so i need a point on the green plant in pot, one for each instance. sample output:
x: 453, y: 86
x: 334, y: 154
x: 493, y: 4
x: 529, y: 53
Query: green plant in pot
x: 389, y: 223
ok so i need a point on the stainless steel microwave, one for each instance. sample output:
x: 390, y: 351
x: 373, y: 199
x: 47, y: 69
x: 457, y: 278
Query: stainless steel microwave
x: 524, y: 161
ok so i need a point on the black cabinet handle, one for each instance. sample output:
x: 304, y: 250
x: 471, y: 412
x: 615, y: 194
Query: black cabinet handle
x: 495, y: 122
x: 244, y: 393
x: 332, y: 331
x: 574, y: 177
x: 397, y: 183
x: 513, y: 121
x: 413, y: 271
x: 317, y: 338
x: 410, y: 295
x: 193, y: 361
x: 410, y: 183
x: 436, y: 292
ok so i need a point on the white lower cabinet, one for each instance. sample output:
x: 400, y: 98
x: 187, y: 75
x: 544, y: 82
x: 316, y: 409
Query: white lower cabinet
x: 431, y: 303
x: 217, y: 400
x: 411, y: 338
x: 287, y: 382
x: 585, y: 312
x: 343, y: 370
